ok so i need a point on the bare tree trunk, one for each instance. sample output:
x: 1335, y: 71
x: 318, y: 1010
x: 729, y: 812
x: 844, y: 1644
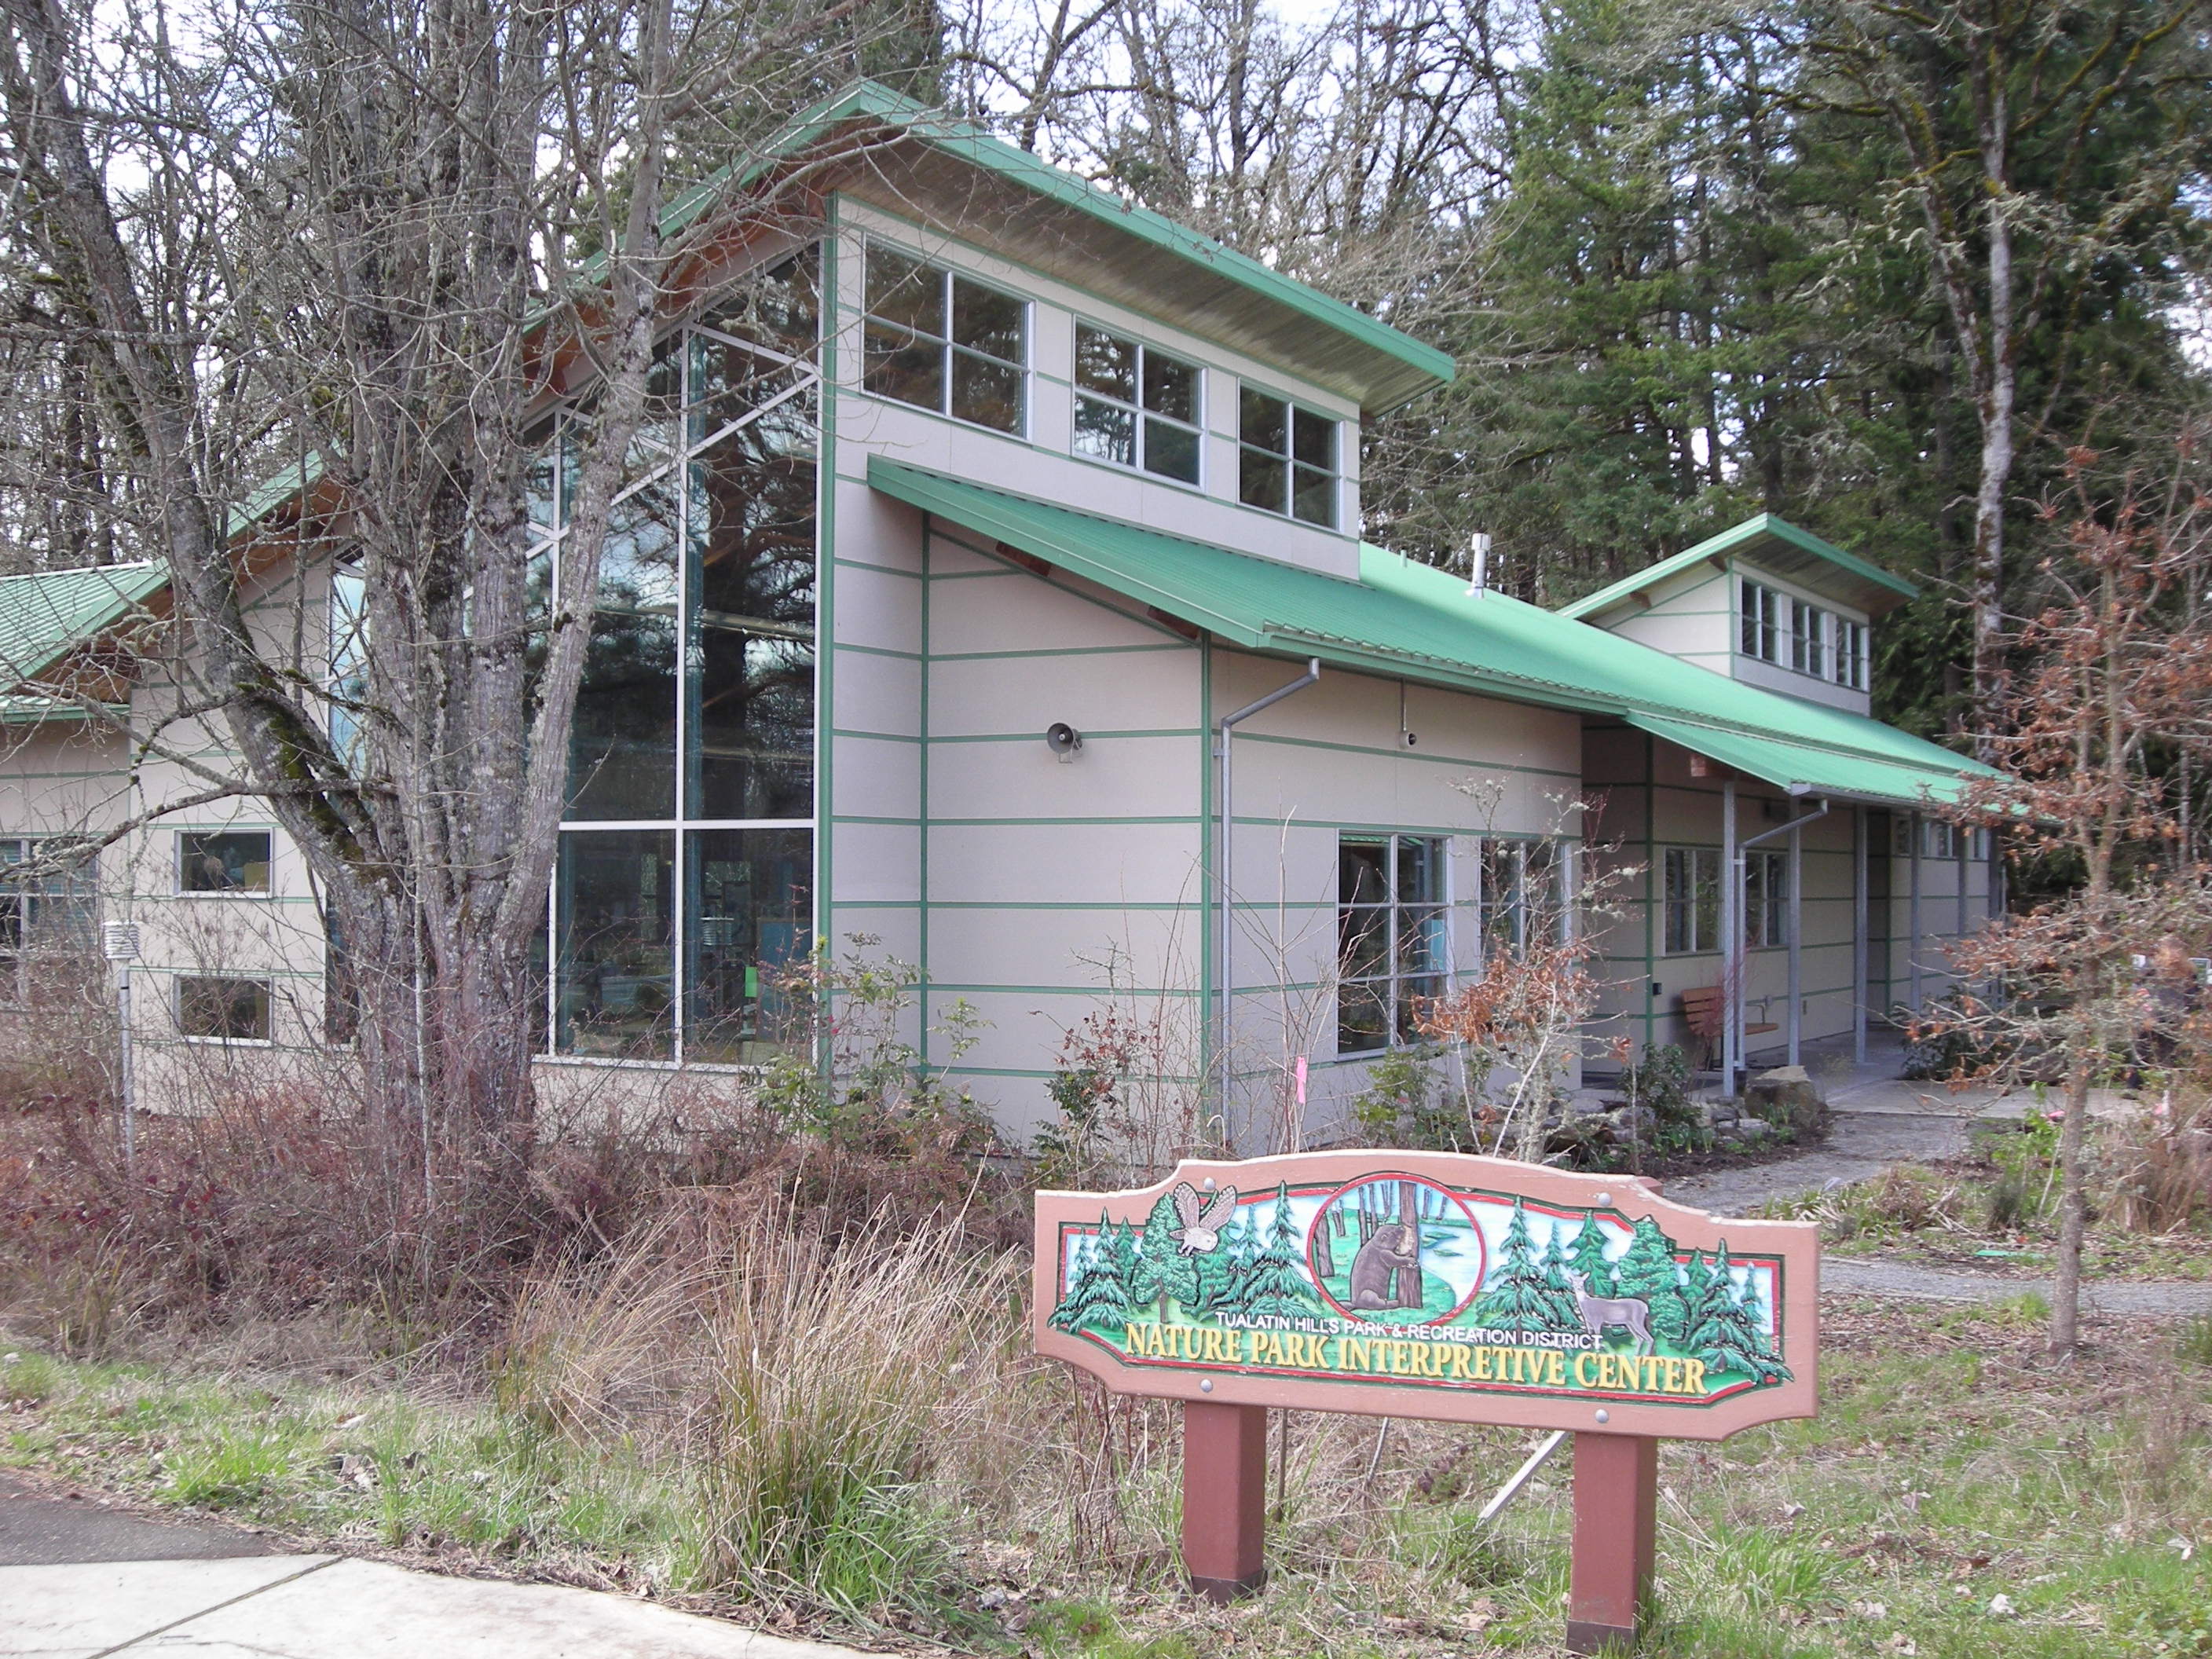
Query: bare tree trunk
x: 1996, y: 404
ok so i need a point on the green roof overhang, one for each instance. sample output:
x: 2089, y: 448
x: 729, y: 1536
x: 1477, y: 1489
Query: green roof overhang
x: 48, y: 614
x: 1778, y: 547
x: 981, y: 187
x: 1411, y: 621
x: 1801, y: 770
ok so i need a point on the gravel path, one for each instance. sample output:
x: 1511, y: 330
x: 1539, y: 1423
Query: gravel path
x: 1860, y: 1146
x: 1876, y: 1129
x: 1854, y: 1275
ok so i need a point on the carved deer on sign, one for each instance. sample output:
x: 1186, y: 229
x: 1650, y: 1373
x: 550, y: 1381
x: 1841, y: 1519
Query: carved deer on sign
x: 1632, y: 1314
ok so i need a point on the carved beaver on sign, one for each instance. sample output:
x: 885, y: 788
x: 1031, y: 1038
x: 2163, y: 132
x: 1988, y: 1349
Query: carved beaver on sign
x: 1376, y: 1267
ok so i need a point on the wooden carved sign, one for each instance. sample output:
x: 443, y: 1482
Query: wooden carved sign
x: 1474, y: 1289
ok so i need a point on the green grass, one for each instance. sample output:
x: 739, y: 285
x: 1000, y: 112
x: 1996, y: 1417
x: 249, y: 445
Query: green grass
x: 1951, y: 1464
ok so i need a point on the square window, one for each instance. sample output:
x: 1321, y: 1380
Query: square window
x: 1286, y: 458
x: 940, y: 342
x: 222, y: 861
x: 223, y: 1008
x: 1135, y: 406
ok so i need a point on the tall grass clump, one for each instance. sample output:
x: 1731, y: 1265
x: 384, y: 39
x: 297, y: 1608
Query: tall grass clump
x: 807, y: 1382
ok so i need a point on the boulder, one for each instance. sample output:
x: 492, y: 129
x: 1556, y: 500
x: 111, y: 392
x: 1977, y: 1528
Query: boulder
x: 1787, y: 1095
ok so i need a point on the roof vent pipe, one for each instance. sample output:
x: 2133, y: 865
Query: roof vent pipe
x: 1478, y: 563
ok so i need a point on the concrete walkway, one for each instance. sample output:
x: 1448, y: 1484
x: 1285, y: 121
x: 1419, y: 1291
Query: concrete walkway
x: 206, y: 1592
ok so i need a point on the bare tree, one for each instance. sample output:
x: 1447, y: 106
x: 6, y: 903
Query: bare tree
x: 325, y: 267
x: 2116, y: 677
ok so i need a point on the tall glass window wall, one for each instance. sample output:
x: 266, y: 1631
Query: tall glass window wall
x: 685, y: 880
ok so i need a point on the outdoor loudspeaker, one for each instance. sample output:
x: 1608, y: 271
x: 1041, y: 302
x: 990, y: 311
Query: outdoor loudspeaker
x: 1063, y: 739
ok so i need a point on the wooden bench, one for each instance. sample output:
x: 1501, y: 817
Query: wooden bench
x: 1706, y: 1009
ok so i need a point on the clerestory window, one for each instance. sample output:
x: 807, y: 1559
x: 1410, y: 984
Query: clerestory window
x: 1135, y: 406
x: 945, y: 342
x: 1286, y: 458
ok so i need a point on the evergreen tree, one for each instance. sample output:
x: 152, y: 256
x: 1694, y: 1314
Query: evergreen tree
x: 1586, y: 1255
x: 1647, y: 1272
x: 1163, y: 1272
x: 1698, y: 1282
x: 1732, y: 1338
x: 1565, y: 1315
x: 1097, y: 1291
x: 1516, y: 1297
x: 1276, y: 1283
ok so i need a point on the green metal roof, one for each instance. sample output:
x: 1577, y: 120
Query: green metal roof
x: 1422, y: 367
x: 48, y: 614
x: 1786, y: 550
x: 1403, y: 619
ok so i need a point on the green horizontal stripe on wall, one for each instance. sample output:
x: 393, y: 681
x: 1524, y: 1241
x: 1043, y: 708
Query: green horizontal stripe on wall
x: 876, y: 737
x: 1046, y: 822
x: 1164, y: 906
x: 1069, y: 650
x: 1021, y: 1072
x: 880, y: 570
x: 1088, y: 736
x: 1147, y: 991
x: 1414, y: 754
x: 877, y: 651
x: 1007, y: 574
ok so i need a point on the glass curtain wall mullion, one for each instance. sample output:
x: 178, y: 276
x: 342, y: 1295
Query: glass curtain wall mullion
x: 713, y: 573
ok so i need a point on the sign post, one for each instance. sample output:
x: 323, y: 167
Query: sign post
x: 1440, y: 1286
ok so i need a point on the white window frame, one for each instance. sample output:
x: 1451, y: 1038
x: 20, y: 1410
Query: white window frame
x: 1138, y: 414
x: 1288, y: 456
x: 227, y: 894
x: 1763, y: 622
x: 1702, y: 866
x: 948, y: 349
x: 268, y: 1005
x: 681, y: 822
x: 1766, y: 898
x: 1848, y: 654
x: 1392, y: 980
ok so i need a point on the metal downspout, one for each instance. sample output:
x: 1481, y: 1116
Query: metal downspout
x: 1226, y: 921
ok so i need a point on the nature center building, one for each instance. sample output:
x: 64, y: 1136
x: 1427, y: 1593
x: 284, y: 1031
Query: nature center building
x: 990, y: 589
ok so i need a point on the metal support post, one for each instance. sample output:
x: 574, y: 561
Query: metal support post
x: 123, y: 1056
x: 1224, y: 1491
x: 1731, y: 945
x: 1796, y: 955
x: 1616, y: 1535
x: 1859, y: 924
x: 1736, y: 888
x: 1913, y: 922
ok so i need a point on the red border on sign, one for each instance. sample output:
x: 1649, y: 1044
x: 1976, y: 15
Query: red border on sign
x: 1474, y: 1226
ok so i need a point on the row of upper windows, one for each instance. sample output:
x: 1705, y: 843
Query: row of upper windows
x: 1791, y: 633
x: 937, y: 339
